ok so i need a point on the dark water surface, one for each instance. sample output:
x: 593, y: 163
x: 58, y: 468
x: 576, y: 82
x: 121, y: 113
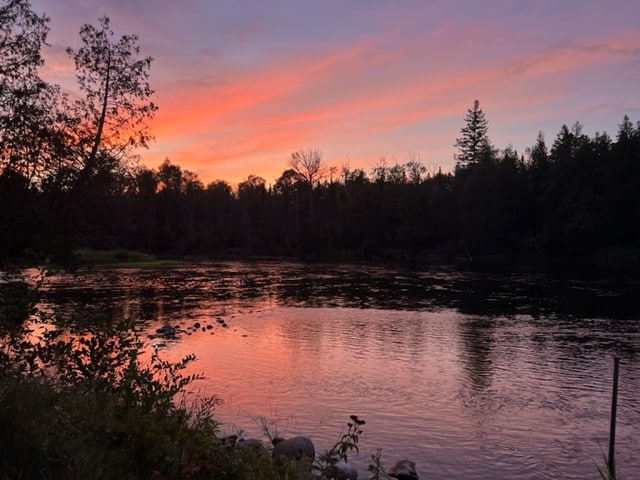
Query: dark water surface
x: 471, y: 375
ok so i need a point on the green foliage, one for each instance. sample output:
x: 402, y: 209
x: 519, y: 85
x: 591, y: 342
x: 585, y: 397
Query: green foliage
x: 473, y: 144
x: 606, y: 473
x: 375, y: 467
x: 92, y: 402
x: 17, y: 303
x: 49, y: 432
x: 348, y: 442
x: 118, y: 258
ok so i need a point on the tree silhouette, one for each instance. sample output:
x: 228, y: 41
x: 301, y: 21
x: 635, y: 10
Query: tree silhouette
x: 65, y: 180
x: 473, y: 142
x: 252, y: 195
x: 27, y: 114
x: 111, y: 117
x: 309, y: 165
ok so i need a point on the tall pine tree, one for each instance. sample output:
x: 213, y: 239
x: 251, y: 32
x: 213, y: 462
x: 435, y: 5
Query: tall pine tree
x: 473, y: 142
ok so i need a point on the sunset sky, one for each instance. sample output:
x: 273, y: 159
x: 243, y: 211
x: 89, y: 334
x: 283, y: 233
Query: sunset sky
x: 241, y: 84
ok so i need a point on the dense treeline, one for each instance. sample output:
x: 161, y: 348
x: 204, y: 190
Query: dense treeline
x: 578, y: 199
x: 67, y: 180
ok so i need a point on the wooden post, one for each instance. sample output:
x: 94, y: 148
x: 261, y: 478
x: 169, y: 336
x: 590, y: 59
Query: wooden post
x: 612, y: 429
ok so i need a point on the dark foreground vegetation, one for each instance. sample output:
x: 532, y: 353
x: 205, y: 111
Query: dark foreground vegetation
x: 85, y: 399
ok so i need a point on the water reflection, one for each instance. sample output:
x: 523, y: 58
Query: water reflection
x: 476, y: 336
x: 473, y: 375
x: 236, y: 285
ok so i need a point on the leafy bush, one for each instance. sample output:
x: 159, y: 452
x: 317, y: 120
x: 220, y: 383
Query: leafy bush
x: 348, y: 442
x: 92, y: 402
x: 17, y: 302
x: 84, y: 399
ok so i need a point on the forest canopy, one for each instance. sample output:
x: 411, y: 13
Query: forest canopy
x: 69, y: 178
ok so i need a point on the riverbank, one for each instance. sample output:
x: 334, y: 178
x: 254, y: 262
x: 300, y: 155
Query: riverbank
x: 82, y: 433
x: 84, y: 421
x: 623, y: 261
x: 121, y: 258
x: 84, y: 399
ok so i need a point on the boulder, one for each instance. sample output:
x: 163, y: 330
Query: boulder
x: 295, y: 448
x: 166, y: 330
x: 403, y: 470
x: 346, y: 471
x: 251, y: 445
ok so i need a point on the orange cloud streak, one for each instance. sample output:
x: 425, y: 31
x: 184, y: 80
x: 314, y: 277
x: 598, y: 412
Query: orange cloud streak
x: 353, y: 92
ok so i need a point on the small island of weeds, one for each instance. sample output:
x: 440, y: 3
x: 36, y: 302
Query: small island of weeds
x: 120, y: 258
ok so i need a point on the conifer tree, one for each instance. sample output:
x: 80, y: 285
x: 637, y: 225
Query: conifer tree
x: 473, y: 142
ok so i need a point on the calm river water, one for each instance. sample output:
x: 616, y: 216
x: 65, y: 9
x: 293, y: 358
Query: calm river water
x: 471, y: 375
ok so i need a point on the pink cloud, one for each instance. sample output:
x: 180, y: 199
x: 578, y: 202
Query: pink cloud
x: 368, y: 88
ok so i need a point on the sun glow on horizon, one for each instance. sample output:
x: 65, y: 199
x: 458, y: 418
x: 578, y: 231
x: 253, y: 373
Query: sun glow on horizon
x: 239, y: 99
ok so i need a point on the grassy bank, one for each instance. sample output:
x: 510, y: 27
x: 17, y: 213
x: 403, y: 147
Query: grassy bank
x: 49, y: 432
x: 120, y: 258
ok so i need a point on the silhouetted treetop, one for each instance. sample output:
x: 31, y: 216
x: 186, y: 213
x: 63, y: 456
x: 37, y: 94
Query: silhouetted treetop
x: 22, y: 35
x: 65, y: 180
x: 27, y: 103
x: 473, y: 142
x: 113, y: 77
x: 309, y: 165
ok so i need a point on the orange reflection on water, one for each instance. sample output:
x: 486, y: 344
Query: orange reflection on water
x: 307, y: 370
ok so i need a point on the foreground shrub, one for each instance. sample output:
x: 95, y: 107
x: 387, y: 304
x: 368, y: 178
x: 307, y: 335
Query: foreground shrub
x: 83, y: 399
